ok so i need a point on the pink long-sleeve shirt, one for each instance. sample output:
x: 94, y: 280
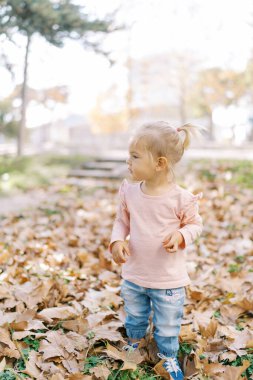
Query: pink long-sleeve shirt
x: 148, y: 219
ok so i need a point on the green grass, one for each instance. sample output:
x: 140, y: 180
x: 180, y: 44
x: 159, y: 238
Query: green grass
x: 7, y: 375
x: 239, y: 361
x: 39, y: 170
x: 238, y: 172
x: 143, y: 372
x: 23, y: 173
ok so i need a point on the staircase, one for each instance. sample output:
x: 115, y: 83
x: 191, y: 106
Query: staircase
x: 111, y: 165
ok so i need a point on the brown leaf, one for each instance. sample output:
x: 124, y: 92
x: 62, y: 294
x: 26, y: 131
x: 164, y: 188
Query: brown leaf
x: 95, y: 319
x: 230, y: 313
x: 7, y: 347
x: 160, y: 370
x: 130, y: 359
x: 79, y: 376
x: 196, y: 294
x: 190, y: 368
x: 108, y: 331
x: 58, y: 344
x: 60, y: 312
x: 79, y: 325
x: 32, y: 293
x: 234, y: 373
x: 211, y: 369
x: 101, y: 372
x: 71, y: 364
x: 2, y: 364
x: 186, y: 333
x: 57, y: 376
x: 51, y: 351
x: 6, y: 318
x: 210, y: 329
x: 245, y: 304
x: 230, y: 356
x: 31, y: 368
x: 103, y: 298
x: 243, y: 340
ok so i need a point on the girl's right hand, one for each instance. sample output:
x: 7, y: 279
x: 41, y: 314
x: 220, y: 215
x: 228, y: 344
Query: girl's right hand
x: 120, y: 251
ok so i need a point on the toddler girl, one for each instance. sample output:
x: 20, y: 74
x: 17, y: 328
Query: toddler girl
x: 162, y: 220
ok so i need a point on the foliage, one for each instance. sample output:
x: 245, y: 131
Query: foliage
x: 8, y: 118
x: 142, y: 372
x: 91, y: 362
x: 216, y: 87
x: 54, y: 262
x: 239, y: 361
x: 53, y: 20
x: 22, y: 173
x: 7, y: 375
x: 10, y: 111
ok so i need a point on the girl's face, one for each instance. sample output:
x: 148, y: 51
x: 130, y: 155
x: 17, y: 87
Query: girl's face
x: 140, y: 163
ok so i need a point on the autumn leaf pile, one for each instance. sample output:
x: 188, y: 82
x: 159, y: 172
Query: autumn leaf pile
x: 61, y: 316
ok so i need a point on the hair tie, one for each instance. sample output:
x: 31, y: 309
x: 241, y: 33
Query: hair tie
x: 179, y: 129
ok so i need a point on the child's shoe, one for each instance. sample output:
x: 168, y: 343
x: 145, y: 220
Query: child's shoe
x: 130, y: 347
x: 171, y: 365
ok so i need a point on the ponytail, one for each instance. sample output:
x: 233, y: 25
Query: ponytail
x: 189, y: 130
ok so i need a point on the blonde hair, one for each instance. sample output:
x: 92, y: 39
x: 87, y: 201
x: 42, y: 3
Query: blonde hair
x: 162, y: 140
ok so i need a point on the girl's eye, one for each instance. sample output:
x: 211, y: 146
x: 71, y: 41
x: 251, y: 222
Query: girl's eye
x: 135, y: 156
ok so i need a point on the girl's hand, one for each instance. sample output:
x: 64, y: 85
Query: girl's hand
x: 120, y: 251
x: 173, y: 241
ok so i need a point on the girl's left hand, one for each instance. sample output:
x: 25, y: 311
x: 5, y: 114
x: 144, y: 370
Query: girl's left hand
x: 173, y: 241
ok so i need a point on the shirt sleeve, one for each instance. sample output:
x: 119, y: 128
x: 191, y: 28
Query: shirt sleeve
x: 121, y: 224
x: 191, y: 221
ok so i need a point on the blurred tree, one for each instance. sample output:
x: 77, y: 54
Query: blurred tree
x: 10, y: 107
x: 109, y: 115
x: 249, y: 91
x: 55, y: 20
x: 182, y: 70
x: 8, y: 118
x: 160, y: 85
x: 215, y: 87
x: 46, y: 96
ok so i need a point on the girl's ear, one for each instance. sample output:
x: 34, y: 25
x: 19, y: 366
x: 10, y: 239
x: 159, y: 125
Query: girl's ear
x: 162, y: 163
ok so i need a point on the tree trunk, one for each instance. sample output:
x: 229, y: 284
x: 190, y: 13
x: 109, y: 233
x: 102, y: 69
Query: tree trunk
x: 129, y: 95
x: 182, y: 109
x: 250, y: 135
x: 211, y: 127
x: 21, y: 134
x: 182, y: 95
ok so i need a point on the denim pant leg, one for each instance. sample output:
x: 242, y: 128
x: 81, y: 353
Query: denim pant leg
x: 168, y: 307
x: 137, y: 307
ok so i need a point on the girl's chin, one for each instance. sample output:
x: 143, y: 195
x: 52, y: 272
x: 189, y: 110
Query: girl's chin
x: 132, y: 177
x: 136, y: 179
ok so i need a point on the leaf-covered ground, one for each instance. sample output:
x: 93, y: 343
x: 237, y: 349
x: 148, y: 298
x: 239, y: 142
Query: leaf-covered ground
x: 61, y: 316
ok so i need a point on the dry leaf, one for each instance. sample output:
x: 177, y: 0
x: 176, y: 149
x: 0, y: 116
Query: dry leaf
x: 101, y: 372
x: 130, y: 359
x: 234, y: 373
x: 161, y: 371
x: 2, y: 364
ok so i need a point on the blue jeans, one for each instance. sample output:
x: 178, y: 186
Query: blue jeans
x: 167, y: 306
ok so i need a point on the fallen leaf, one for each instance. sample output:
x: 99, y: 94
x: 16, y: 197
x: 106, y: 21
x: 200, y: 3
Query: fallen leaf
x: 101, y: 372
x: 130, y: 359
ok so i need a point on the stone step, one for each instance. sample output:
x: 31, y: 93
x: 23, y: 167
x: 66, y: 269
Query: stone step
x: 113, y: 156
x: 96, y: 173
x: 102, y: 165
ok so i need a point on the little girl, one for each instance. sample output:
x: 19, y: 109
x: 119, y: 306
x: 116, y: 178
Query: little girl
x: 162, y: 219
